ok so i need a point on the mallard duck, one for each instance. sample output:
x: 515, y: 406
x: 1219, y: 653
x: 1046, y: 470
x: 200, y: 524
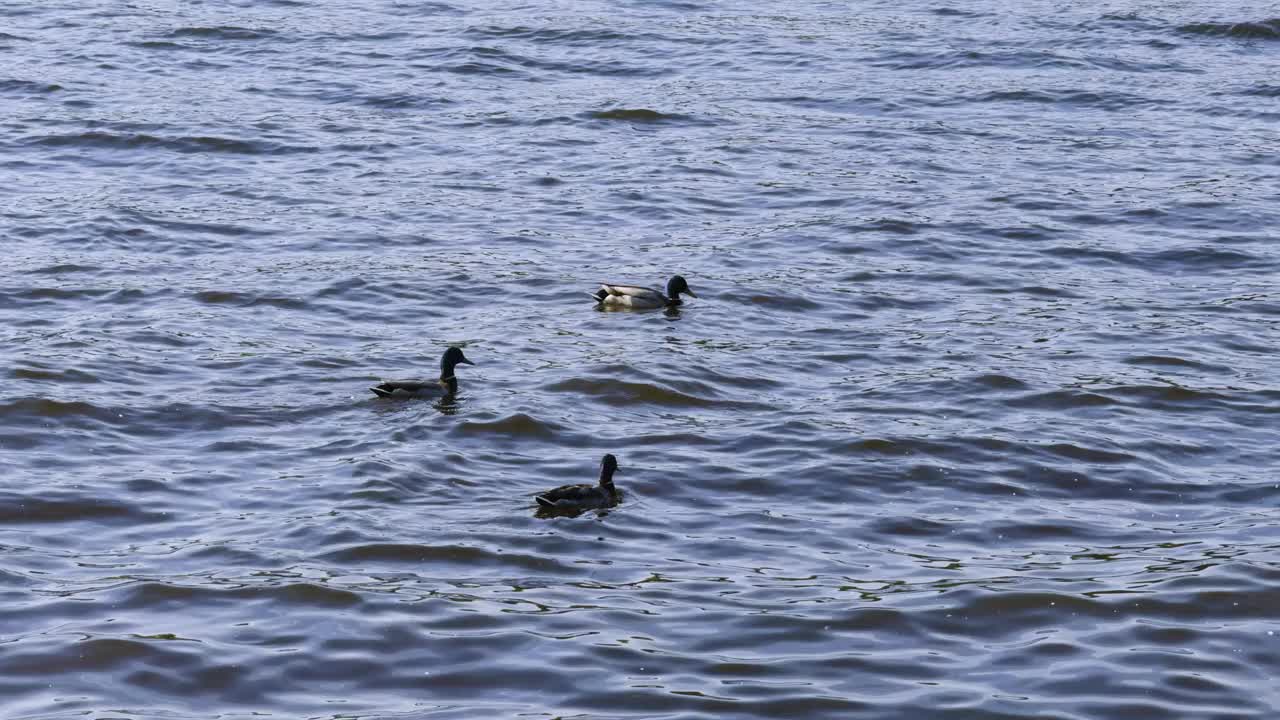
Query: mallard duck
x: 632, y: 296
x: 584, y: 497
x: 447, y: 384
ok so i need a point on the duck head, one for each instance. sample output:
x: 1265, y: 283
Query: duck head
x: 452, y: 357
x: 608, y: 466
x: 677, y: 285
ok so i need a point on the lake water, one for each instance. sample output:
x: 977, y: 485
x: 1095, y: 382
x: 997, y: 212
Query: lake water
x: 974, y: 416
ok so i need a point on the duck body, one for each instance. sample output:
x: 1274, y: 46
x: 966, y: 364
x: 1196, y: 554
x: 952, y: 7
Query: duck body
x: 638, y: 297
x: 630, y: 296
x: 414, y: 388
x: 577, y: 497
x: 573, y: 498
x: 447, y: 384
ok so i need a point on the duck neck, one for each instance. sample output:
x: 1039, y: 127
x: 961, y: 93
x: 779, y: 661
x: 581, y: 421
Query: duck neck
x: 450, y: 384
x: 606, y: 479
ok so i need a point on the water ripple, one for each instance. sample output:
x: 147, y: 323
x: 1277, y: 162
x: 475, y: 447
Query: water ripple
x: 1261, y: 30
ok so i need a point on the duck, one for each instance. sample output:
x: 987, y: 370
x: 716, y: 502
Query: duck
x: 447, y: 384
x: 572, y: 498
x: 633, y: 296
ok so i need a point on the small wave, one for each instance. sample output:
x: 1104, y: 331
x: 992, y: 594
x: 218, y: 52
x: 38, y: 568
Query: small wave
x: 1073, y: 451
x: 164, y: 420
x: 35, y: 296
x: 186, y: 227
x: 401, y: 101
x: 1208, y: 257
x: 1014, y: 612
x: 517, y: 425
x: 1170, y: 361
x: 157, y: 45
x: 791, y: 303
x: 225, y: 32
x: 496, y: 60
x: 995, y: 381
x: 1167, y: 394
x: 1034, y: 291
x: 1104, y: 100
x: 1265, y: 90
x: 1041, y: 530
x: 896, y: 226
x: 592, y: 38
x: 969, y: 59
x: 1124, y: 17
x: 607, y: 68
x: 1262, y: 30
x: 63, y: 376
x: 43, y: 408
x: 187, y: 144
x: 61, y: 507
x: 1061, y: 400
x: 877, y: 446
x: 1199, y: 260
x: 862, y: 105
x: 481, y: 68
x: 288, y: 593
x: 440, y: 555
x: 429, y: 8
x: 910, y: 527
x: 64, y: 268
x: 96, y: 655
x: 637, y: 115
x: 28, y: 87
x: 750, y: 383
x: 348, y: 95
x: 619, y: 393
x: 551, y: 35
x: 223, y: 297
x: 1025, y: 232
x: 681, y: 6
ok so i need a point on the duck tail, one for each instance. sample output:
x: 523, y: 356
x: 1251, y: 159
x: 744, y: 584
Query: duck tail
x: 543, y: 502
x: 380, y: 391
x: 599, y: 295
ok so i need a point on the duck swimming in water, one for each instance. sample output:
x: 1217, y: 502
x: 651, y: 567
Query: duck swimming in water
x: 572, y: 498
x: 633, y: 296
x: 447, y: 384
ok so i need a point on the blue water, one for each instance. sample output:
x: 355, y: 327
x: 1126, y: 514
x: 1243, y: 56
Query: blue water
x: 973, y: 417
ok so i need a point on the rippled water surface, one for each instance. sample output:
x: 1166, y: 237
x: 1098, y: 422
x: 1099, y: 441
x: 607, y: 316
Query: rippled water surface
x: 974, y: 416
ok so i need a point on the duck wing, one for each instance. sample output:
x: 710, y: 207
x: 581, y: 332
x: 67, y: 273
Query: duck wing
x: 633, y: 291
x: 569, y: 495
x: 388, y: 387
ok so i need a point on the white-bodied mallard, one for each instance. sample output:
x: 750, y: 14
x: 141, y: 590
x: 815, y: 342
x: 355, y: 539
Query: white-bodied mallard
x: 634, y: 296
x: 447, y: 384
